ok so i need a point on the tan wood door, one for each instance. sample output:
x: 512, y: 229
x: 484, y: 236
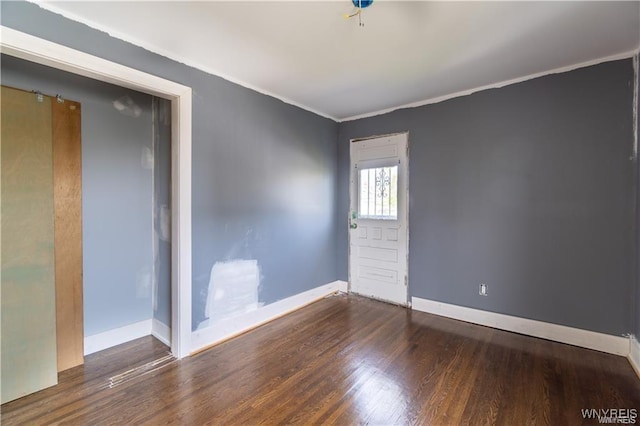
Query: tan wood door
x: 67, y: 199
x: 28, y: 348
x: 41, y: 235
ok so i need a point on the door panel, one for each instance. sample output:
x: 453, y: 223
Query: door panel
x: 28, y: 329
x: 67, y: 180
x: 378, y: 218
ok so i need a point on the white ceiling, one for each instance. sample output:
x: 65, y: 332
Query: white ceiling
x: 307, y: 54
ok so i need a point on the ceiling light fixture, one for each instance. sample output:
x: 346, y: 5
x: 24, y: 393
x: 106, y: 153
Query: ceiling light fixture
x: 359, y: 4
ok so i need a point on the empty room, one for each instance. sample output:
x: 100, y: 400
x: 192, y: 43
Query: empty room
x: 468, y: 172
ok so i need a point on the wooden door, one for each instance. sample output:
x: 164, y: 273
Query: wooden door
x: 378, y: 234
x: 41, y: 232
x: 28, y: 318
x: 67, y: 199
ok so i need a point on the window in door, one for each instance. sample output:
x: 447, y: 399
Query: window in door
x: 378, y: 193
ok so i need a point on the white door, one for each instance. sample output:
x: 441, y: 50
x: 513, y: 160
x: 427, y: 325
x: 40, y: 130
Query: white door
x: 378, y: 218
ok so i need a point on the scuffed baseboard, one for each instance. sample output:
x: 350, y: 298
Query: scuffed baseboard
x: 617, y: 345
x: 225, y: 329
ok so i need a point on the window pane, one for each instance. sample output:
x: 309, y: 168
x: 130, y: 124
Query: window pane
x: 372, y: 192
x: 378, y: 192
x: 393, y: 194
x: 364, y: 192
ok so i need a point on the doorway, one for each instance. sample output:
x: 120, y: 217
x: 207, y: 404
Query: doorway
x: 102, y: 188
x: 378, y: 218
x: 34, y: 49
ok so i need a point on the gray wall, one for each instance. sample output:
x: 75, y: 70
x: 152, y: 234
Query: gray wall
x: 264, y: 172
x: 161, y: 110
x: 528, y: 188
x: 116, y: 193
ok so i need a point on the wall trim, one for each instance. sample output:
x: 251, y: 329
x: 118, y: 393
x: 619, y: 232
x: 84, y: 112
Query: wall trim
x: 161, y: 331
x: 343, y: 286
x: 226, y: 329
x: 496, y: 85
x: 176, y: 58
x: 634, y: 355
x: 117, y: 336
x: 44, y: 52
x: 188, y: 62
x: 616, y: 345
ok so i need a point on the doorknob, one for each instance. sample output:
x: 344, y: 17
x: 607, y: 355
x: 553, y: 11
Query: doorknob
x: 352, y: 217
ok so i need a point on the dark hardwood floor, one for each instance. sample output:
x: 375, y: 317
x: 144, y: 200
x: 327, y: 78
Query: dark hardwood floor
x: 344, y: 360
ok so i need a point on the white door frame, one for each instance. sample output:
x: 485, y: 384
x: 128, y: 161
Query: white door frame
x: 408, y: 304
x: 34, y: 49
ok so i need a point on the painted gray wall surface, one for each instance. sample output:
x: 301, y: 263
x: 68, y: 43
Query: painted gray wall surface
x: 264, y: 172
x: 527, y: 188
x: 161, y: 109
x: 116, y: 193
x: 264, y: 189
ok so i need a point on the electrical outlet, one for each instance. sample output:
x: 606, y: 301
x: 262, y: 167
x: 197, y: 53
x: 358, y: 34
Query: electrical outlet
x: 482, y: 291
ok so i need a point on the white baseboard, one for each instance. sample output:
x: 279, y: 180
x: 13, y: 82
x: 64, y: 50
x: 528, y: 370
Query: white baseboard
x: 117, y: 336
x: 634, y: 355
x: 161, y: 331
x: 343, y: 286
x: 617, y: 345
x: 226, y: 329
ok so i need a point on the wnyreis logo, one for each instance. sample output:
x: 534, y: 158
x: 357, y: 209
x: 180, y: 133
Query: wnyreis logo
x: 611, y: 415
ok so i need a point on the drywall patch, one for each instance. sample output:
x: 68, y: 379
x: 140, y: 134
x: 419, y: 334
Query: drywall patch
x: 126, y: 106
x: 143, y: 282
x: 233, y: 290
x: 165, y: 223
x: 147, y: 158
x: 227, y: 329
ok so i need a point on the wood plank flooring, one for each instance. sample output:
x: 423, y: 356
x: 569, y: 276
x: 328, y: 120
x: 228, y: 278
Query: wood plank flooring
x: 344, y: 360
